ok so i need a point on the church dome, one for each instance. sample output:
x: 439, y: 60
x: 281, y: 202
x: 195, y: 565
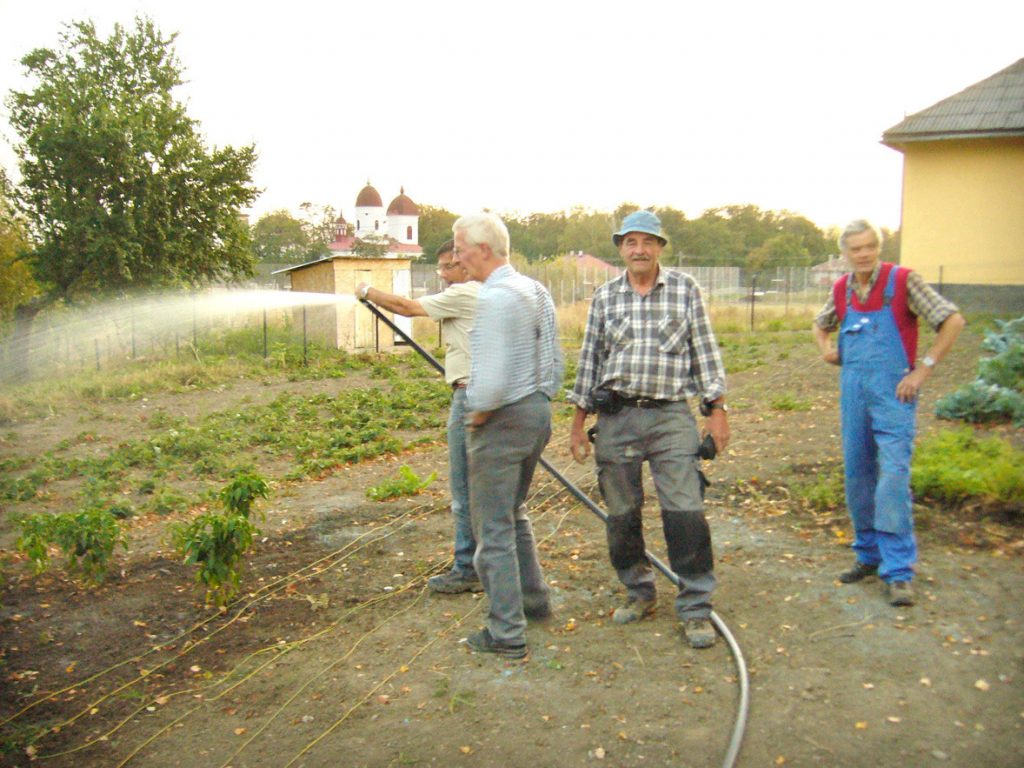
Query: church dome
x: 403, y: 206
x: 369, y: 198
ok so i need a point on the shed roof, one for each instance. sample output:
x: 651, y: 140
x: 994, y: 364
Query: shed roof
x: 990, y: 108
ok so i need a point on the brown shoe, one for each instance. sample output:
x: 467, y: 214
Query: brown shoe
x: 635, y: 609
x: 859, y: 572
x: 699, y: 633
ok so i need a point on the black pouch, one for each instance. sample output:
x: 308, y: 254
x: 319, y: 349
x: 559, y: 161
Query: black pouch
x: 606, y: 401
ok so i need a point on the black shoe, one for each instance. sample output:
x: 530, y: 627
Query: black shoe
x: 537, y: 611
x: 901, y: 593
x: 484, y: 643
x: 859, y: 572
x: 453, y: 582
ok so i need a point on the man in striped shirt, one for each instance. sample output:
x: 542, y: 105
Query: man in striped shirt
x: 515, y: 370
x: 648, y: 346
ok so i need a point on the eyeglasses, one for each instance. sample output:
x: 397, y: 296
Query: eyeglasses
x: 445, y: 267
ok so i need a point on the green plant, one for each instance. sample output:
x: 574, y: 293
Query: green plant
x: 217, y: 542
x: 240, y: 494
x: 407, y: 483
x: 825, y: 493
x: 35, y: 539
x: 87, y: 539
x: 956, y: 465
x: 787, y: 401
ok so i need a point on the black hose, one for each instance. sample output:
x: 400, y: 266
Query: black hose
x: 743, y: 709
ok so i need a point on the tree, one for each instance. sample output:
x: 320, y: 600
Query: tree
x: 118, y: 189
x: 16, y: 283
x: 279, y: 237
x: 435, y: 228
x: 319, y: 223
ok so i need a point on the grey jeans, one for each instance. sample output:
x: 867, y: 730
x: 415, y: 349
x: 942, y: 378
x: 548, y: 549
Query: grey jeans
x: 503, y: 454
x: 667, y: 439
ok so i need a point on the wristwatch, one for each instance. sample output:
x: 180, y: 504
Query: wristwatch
x: 711, y: 406
x: 362, y: 293
x: 928, y: 361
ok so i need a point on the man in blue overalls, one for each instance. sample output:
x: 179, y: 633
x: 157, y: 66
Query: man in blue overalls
x: 876, y: 309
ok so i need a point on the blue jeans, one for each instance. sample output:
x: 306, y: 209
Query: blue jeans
x: 458, y: 480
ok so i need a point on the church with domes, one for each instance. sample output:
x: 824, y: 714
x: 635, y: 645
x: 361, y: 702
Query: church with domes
x: 377, y: 247
x: 391, y: 233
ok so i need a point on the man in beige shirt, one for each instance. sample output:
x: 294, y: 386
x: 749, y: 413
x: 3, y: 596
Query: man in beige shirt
x: 454, y: 308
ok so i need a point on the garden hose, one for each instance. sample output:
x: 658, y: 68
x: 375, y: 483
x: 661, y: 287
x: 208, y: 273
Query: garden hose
x: 740, y: 724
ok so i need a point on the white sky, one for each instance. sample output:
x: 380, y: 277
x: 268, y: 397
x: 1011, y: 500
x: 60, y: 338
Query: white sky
x: 526, y: 106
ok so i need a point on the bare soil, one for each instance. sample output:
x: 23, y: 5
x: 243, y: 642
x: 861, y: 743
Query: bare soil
x: 337, y: 655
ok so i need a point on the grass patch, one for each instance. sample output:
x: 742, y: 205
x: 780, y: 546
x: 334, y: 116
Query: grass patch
x: 957, y: 467
x: 787, y: 401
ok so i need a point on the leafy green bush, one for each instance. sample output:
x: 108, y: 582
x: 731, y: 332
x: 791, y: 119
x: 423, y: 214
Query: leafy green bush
x: 217, y: 541
x: 998, y: 392
x: 956, y: 465
x: 408, y: 483
x: 981, y: 403
x: 86, y: 538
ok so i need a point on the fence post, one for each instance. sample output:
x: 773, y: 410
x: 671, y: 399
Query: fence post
x: 753, y: 297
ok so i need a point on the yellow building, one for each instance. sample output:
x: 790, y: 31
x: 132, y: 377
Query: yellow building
x: 963, y: 193
x: 378, y: 249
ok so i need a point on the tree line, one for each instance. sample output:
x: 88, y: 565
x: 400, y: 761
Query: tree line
x: 728, y: 236
x: 119, y: 191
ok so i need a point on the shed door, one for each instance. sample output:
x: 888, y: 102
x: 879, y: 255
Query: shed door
x: 364, y: 318
x: 401, y: 282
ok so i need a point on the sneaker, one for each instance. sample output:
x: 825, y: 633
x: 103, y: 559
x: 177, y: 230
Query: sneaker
x: 635, y: 609
x: 454, y: 582
x: 699, y: 633
x: 901, y: 593
x: 484, y: 643
x: 858, y: 572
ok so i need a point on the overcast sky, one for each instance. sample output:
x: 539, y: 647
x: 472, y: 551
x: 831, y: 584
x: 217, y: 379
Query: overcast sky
x: 532, y: 106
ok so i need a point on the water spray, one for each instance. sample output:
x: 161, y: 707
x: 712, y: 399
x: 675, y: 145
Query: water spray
x: 743, y: 708
x: 73, y: 339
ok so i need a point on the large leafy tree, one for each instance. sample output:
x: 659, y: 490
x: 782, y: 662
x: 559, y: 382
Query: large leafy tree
x: 16, y: 283
x: 118, y: 189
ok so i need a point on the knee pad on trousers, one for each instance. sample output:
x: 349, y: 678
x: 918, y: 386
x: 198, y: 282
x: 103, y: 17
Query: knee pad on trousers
x: 689, y: 542
x: 625, y: 541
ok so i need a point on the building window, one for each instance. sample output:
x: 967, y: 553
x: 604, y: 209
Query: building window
x: 376, y: 225
x: 408, y: 234
x: 358, y: 225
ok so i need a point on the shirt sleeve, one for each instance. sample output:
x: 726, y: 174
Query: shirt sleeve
x: 924, y: 301
x: 589, y: 364
x: 706, y: 366
x: 458, y: 300
x: 827, y: 318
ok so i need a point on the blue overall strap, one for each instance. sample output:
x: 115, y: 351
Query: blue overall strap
x: 890, y: 286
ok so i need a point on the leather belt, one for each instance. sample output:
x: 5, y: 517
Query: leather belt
x: 642, y: 402
x: 460, y: 384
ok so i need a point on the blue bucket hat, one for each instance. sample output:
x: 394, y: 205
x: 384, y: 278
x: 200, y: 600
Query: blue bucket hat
x: 640, y: 221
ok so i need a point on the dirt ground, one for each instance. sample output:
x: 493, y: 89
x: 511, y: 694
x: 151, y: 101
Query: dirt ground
x: 337, y: 655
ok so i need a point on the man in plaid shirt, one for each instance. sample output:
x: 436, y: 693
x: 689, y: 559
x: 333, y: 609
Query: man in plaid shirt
x: 648, y: 346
